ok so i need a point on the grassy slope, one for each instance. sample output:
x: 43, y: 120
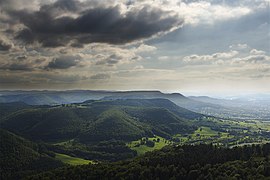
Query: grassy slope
x: 143, y: 148
x: 205, y: 131
x: 71, y: 160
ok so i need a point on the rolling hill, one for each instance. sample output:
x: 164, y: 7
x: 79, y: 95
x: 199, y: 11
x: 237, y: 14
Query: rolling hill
x: 113, y: 124
x: 101, y: 120
x: 8, y: 108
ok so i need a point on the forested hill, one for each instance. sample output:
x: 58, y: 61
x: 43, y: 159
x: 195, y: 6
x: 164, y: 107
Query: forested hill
x: 101, y: 120
x: 19, y: 157
x: 146, y: 103
x: 178, y: 162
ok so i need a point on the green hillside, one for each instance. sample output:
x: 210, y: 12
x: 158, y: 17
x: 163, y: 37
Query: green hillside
x: 8, y: 108
x: 146, y: 103
x: 101, y: 120
x: 47, y: 124
x: 162, y: 121
x: 100, y: 130
x: 20, y: 157
x: 113, y: 124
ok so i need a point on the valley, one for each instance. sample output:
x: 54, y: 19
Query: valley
x: 117, y: 129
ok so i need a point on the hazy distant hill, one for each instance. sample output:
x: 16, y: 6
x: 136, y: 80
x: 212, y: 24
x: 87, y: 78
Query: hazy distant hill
x: 76, y: 96
x: 50, y: 97
x: 241, y: 108
x: 245, y: 107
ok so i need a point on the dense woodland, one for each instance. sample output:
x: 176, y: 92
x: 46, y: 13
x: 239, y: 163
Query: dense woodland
x: 20, y: 157
x: 97, y: 130
x: 96, y: 121
x: 178, y: 162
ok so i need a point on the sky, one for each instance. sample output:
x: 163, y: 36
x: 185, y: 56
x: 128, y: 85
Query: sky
x: 192, y: 46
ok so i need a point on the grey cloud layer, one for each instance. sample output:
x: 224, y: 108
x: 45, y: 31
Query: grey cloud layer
x: 63, y: 62
x: 67, y: 22
x: 105, y: 43
x: 4, y: 46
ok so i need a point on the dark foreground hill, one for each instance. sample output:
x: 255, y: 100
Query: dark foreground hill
x: 182, y: 162
x: 20, y: 157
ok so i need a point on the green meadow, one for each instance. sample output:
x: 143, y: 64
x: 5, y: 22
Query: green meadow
x: 142, y: 148
x: 71, y: 160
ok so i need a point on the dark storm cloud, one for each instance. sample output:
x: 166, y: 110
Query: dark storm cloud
x: 61, y: 5
x: 16, y: 67
x: 4, y: 46
x: 63, y: 62
x: 53, y: 25
x: 22, y: 57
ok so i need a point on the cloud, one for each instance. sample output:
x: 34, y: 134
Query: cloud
x: 21, y: 57
x: 256, y: 52
x: 64, y: 62
x: 100, y: 76
x: 110, y: 55
x: 133, y: 44
x: 4, y: 45
x: 145, y: 48
x: 16, y: 67
x: 116, y: 58
x: 59, y: 77
x: 239, y: 46
x: 67, y: 22
x: 237, y: 55
x: 253, y: 59
x: 203, y: 12
x: 219, y: 57
x: 22, y: 62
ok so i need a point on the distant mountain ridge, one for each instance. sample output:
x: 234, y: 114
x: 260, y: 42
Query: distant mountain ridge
x: 236, y: 109
x: 75, y: 96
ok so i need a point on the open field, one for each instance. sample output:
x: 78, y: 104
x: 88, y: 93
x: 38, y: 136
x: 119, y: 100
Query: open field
x: 204, y: 132
x: 142, y: 148
x: 71, y: 160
